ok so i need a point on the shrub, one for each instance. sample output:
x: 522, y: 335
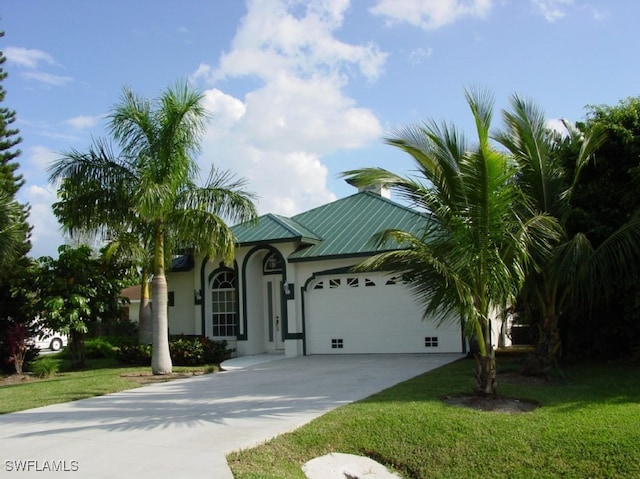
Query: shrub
x: 184, y: 350
x: 195, y: 350
x: 216, y: 352
x: 139, y: 354
x: 97, y: 348
x: 114, y: 328
x: 119, y: 341
x: 18, y: 350
x: 45, y: 367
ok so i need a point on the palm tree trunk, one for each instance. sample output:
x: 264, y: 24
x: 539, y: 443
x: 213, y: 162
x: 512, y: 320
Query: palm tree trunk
x: 486, y: 382
x: 542, y: 359
x: 160, y: 357
x: 145, y: 322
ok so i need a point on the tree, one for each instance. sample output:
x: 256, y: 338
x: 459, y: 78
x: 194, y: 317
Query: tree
x: 11, y: 232
x: 470, y: 261
x: 74, y: 291
x: 605, y: 198
x: 129, y: 246
x: 576, y: 272
x: 14, y: 229
x: 150, y: 189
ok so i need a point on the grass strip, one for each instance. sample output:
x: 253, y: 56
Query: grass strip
x: 102, y: 376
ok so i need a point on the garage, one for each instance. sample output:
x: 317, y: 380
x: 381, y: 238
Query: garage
x: 371, y: 313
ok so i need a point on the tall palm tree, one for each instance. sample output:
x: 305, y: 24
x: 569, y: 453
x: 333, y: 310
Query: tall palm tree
x: 575, y: 273
x: 12, y: 234
x: 470, y: 261
x: 150, y: 189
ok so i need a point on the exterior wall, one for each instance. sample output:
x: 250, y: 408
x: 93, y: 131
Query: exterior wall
x: 371, y: 313
x: 131, y: 311
x: 181, y: 314
x: 298, y: 279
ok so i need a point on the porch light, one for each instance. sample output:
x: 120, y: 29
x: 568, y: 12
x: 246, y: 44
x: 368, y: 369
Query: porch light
x: 287, y: 289
x: 197, y: 296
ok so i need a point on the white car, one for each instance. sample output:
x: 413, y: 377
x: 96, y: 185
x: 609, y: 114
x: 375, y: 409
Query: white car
x: 50, y: 340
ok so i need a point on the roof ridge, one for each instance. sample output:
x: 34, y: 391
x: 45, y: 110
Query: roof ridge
x: 282, y: 221
x: 364, y: 193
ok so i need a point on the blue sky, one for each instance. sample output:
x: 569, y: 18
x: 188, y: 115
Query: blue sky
x: 300, y: 91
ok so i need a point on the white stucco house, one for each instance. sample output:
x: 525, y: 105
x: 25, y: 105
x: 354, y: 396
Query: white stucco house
x: 290, y: 288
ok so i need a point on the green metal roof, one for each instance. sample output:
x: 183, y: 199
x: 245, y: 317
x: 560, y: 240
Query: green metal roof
x: 341, y: 228
x: 272, y: 228
x: 347, y: 225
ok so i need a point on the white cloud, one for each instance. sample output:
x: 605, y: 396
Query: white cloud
x: 83, y: 122
x: 552, y: 10
x: 225, y: 111
x: 430, y: 14
x: 417, y: 56
x: 277, y: 134
x: 48, y: 78
x: 294, y: 114
x: 28, y: 58
x: 272, y: 38
x: 40, y: 157
x: 32, y: 59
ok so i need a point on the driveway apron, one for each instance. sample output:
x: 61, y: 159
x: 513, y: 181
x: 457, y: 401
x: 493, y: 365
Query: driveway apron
x: 184, y: 428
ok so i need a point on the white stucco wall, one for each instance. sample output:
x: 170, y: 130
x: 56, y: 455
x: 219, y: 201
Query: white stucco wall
x: 181, y: 314
x: 389, y: 335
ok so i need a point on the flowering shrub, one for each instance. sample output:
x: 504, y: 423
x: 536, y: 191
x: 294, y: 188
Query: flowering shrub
x: 184, y: 350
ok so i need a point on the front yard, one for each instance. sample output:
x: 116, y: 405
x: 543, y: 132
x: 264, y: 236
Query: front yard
x: 588, y: 425
x: 103, y: 376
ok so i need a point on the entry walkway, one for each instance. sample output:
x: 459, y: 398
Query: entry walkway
x: 184, y: 428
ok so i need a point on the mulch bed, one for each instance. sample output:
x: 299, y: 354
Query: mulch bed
x: 150, y: 378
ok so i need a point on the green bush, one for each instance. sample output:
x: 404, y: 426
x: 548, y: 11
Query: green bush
x: 138, y: 355
x: 216, y: 352
x: 119, y: 341
x: 184, y: 351
x: 97, y: 348
x: 45, y: 367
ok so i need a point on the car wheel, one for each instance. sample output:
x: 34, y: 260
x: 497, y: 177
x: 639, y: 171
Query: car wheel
x: 56, y: 344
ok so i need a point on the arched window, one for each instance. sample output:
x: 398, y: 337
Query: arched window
x: 224, y: 303
x: 272, y: 264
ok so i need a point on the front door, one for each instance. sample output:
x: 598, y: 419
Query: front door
x: 273, y: 316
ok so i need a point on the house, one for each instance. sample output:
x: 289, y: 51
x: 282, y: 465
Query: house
x: 291, y: 288
x: 131, y: 310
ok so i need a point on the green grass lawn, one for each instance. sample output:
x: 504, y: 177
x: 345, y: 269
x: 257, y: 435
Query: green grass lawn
x: 588, y: 426
x: 102, y: 376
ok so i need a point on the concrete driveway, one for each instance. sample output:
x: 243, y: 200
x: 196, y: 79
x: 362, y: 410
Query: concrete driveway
x: 184, y: 428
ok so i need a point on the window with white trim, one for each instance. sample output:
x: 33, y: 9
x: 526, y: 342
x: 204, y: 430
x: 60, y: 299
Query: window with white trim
x: 224, y: 304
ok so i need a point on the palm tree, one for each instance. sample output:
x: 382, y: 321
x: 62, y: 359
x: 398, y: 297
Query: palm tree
x: 150, y: 190
x: 12, y: 232
x: 470, y: 261
x: 575, y: 273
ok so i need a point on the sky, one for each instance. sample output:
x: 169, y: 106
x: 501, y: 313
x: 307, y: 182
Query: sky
x: 301, y: 91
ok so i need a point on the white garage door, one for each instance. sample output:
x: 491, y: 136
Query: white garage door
x: 373, y: 313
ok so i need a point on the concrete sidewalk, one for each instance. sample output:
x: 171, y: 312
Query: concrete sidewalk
x: 184, y: 428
